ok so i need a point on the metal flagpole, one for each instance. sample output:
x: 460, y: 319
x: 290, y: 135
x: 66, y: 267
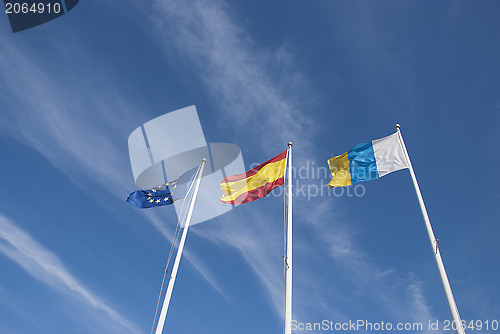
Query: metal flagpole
x: 434, y: 243
x: 168, y: 294
x: 288, y: 283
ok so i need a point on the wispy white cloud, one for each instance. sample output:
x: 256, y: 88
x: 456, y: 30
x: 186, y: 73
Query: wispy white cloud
x: 67, y: 125
x: 25, y: 312
x: 260, y: 244
x: 236, y: 72
x: 385, y: 285
x: 81, y: 130
x: 202, y: 269
x: 421, y: 311
x: 45, y: 266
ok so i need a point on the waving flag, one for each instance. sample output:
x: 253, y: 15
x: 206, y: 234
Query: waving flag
x: 256, y: 183
x: 163, y: 194
x: 367, y: 161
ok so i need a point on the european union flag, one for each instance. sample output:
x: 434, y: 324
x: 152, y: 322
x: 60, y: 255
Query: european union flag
x: 163, y: 194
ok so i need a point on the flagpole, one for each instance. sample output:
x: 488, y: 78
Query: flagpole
x: 168, y: 294
x: 434, y: 243
x: 288, y: 259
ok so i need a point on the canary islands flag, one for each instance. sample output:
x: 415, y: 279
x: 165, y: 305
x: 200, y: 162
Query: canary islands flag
x: 368, y: 161
x: 256, y: 183
x: 164, y: 194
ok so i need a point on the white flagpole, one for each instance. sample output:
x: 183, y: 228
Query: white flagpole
x: 434, y: 243
x: 288, y: 259
x: 168, y: 294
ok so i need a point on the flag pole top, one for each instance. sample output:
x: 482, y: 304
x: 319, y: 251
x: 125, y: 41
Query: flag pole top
x: 289, y: 143
x: 398, y: 127
x: 204, y: 160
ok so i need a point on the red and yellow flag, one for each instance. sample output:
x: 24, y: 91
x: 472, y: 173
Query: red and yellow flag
x: 255, y: 183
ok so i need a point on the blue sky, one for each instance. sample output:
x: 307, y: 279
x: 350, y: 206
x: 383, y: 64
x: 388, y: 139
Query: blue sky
x: 327, y: 75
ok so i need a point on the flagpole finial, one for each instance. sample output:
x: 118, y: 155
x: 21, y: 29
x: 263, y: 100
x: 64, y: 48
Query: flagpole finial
x: 289, y: 143
x: 204, y: 159
x: 398, y: 127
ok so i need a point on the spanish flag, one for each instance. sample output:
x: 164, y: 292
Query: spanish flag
x: 256, y: 183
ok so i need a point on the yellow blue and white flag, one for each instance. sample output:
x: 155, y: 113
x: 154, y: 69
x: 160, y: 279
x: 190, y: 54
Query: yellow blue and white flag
x: 368, y: 161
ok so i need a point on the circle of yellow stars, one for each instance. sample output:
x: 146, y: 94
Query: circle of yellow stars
x: 150, y: 198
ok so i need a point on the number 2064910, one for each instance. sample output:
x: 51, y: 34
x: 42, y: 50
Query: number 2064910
x: 35, y: 8
x: 472, y: 325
